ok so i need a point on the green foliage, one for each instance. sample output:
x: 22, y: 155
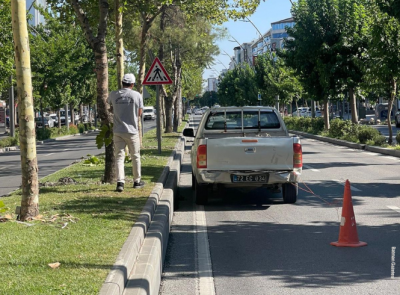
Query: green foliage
x: 9, y: 141
x: 275, y: 78
x: 238, y: 87
x: 398, y: 137
x: 309, y: 125
x: 340, y: 129
x: 6, y: 45
x: 105, y: 136
x: 43, y: 133
x: 93, y: 160
x: 62, y: 63
x: 3, y: 207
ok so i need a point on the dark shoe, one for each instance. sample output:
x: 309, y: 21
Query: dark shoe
x: 138, y: 184
x: 120, y: 186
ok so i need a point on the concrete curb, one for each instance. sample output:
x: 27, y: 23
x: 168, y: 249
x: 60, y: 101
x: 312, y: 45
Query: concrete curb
x: 41, y: 142
x: 375, y: 149
x: 138, y: 267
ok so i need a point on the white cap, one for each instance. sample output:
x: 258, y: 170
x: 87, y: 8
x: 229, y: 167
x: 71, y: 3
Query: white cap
x: 129, y: 79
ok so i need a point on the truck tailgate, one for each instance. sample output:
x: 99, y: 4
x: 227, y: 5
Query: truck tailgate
x: 245, y: 153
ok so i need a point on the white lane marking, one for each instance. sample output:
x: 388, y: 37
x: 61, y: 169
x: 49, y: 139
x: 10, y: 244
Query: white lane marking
x: 5, y: 167
x: 66, y: 149
x: 397, y: 209
x: 204, y: 267
x: 343, y: 183
x: 49, y: 154
x: 311, y: 168
x: 372, y: 154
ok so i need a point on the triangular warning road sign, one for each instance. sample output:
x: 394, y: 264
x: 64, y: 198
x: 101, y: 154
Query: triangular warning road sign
x: 157, y: 74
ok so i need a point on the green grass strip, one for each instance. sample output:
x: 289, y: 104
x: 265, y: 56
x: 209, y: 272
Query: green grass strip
x: 81, y: 226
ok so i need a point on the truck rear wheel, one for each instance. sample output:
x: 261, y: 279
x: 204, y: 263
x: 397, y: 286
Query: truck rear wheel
x: 290, y: 192
x: 201, y: 193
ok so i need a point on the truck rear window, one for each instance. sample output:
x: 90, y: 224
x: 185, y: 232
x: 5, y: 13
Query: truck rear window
x: 233, y: 120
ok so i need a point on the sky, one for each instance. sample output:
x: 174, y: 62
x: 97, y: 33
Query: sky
x: 268, y: 12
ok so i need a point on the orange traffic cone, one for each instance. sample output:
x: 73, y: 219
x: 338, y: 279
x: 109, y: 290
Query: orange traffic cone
x: 348, y: 236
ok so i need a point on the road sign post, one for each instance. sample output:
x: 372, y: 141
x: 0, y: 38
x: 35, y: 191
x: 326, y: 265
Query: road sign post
x: 157, y: 75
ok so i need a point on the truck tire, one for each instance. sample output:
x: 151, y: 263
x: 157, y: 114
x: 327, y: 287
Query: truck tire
x: 201, y: 193
x: 289, y: 192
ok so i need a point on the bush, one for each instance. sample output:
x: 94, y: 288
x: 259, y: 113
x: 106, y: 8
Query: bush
x: 398, y: 137
x: 310, y: 125
x: 73, y: 129
x: 9, y: 141
x: 82, y: 127
x: 43, y: 133
x: 367, y: 133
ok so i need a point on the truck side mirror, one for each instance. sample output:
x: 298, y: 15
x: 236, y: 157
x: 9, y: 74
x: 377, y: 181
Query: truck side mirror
x: 188, y: 132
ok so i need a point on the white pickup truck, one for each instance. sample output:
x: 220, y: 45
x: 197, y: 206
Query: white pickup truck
x: 246, y: 147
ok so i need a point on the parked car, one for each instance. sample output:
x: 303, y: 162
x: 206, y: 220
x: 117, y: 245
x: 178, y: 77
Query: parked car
x: 300, y: 112
x: 198, y: 112
x: 48, y: 122
x: 397, y: 119
x: 247, y: 148
x: 149, y: 113
x: 317, y: 113
x: 55, y: 118
x: 189, y: 111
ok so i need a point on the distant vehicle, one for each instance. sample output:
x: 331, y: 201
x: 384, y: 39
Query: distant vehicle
x: 198, y: 112
x: 397, y: 119
x: 317, y: 113
x: 189, y: 111
x: 55, y: 118
x: 48, y: 122
x: 62, y: 116
x: 300, y: 112
x: 149, y: 113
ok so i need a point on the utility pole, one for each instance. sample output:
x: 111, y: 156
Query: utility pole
x: 27, y: 136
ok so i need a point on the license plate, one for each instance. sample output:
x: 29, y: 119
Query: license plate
x: 250, y: 178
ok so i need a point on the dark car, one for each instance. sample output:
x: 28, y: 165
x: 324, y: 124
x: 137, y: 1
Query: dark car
x: 397, y: 119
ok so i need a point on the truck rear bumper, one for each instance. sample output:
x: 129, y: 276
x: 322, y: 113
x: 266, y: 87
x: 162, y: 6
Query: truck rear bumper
x: 225, y: 177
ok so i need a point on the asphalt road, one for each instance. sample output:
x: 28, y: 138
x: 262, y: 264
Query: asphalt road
x: 285, y: 249
x: 52, y: 156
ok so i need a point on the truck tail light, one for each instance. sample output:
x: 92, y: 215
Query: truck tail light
x: 297, y: 156
x: 202, y: 156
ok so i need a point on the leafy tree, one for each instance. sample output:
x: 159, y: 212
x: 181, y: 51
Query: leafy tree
x: 275, y: 78
x: 384, y: 55
x: 6, y: 44
x: 238, y: 87
x: 329, y: 40
x: 93, y: 16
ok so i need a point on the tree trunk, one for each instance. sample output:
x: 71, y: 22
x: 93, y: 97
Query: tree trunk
x: 142, y: 66
x: 353, y: 103
x: 104, y: 114
x: 169, y: 102
x: 81, y: 112
x: 59, y: 118
x: 71, y: 107
x: 326, y: 114
x: 27, y: 135
x: 390, y: 106
x: 98, y: 45
x: 176, y: 113
x: 119, y: 43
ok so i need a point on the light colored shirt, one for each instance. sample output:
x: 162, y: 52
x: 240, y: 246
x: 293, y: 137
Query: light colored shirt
x: 126, y: 104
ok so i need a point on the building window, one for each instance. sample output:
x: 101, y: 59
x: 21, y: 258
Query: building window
x: 280, y: 35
